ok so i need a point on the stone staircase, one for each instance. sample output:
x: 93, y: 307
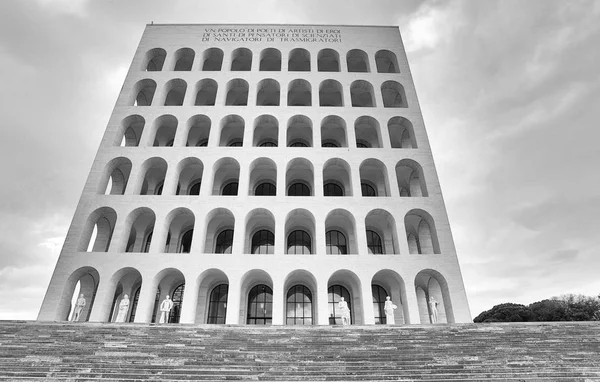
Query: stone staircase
x: 49, y: 351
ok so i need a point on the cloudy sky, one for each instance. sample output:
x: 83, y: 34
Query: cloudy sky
x: 510, y: 92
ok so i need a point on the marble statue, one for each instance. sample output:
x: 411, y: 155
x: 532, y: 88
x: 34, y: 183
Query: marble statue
x: 79, y: 305
x: 123, y: 309
x: 344, y: 311
x: 433, y: 310
x: 389, y: 311
x: 165, y: 307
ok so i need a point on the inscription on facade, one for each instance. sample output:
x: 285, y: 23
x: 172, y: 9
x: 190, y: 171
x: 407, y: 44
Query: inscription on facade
x: 272, y: 35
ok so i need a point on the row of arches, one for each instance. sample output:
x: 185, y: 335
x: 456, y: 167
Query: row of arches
x: 263, y: 180
x: 299, y: 132
x: 261, y: 236
x: 270, y: 59
x: 268, y: 93
x: 302, y: 303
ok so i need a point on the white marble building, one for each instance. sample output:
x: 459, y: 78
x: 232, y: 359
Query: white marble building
x: 256, y: 174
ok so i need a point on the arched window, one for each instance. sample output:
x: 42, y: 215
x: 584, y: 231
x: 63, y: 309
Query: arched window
x: 217, y: 305
x: 224, y: 241
x: 336, y: 243
x: 177, y: 298
x: 186, y: 242
x: 299, y: 60
x: 335, y: 293
x: 328, y: 60
x: 270, y: 60
x: 386, y: 62
x: 263, y: 243
x: 195, y: 189
x: 134, y: 304
x: 213, y: 59
x: 241, y: 59
x: 184, y: 59
x: 299, y: 306
x: 298, y: 189
x: 379, y: 295
x: 265, y: 189
x: 260, y: 305
x: 155, y: 60
x: 230, y: 189
x: 299, y: 243
x: 367, y: 190
x: 374, y: 243
x: 332, y: 189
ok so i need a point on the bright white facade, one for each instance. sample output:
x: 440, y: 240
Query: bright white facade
x: 291, y: 109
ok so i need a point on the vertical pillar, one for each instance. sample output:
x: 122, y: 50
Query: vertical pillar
x: 323, y: 300
x: 146, y: 300
x: 190, y: 301
x: 278, y: 301
x: 233, y: 301
x: 413, y: 316
x: 367, y: 302
x: 159, y: 237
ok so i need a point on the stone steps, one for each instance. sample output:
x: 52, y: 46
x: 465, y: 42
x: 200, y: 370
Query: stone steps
x: 36, y: 351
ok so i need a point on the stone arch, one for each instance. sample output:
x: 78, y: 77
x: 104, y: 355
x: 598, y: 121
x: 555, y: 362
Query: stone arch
x: 402, y: 134
x: 333, y: 132
x: 225, y: 170
x: 190, y: 172
x: 175, y: 92
x: 123, y: 282
x: 184, y: 59
x: 429, y: 284
x: 299, y: 132
x: 331, y: 93
x: 342, y: 220
x: 270, y: 60
x: 237, y: 92
x: 374, y: 173
x: 212, y: 60
x: 303, y: 220
x: 386, y: 62
x: 143, y: 93
x: 394, y: 285
x: 232, y: 131
x: 249, y: 280
x: 115, y: 176
x: 328, y: 60
x: 154, y: 60
x: 421, y: 232
x: 338, y: 172
x: 198, y: 128
x: 217, y: 221
x: 299, y: 93
x: 206, y: 92
x: 383, y: 223
x: 410, y: 178
x: 130, y: 131
x: 362, y: 94
x: 207, y: 281
x: 299, y: 60
x: 167, y: 281
x: 393, y: 94
x: 241, y: 59
x: 101, y: 222
x: 268, y: 93
x: 262, y: 170
x: 351, y: 282
x: 88, y: 279
x: 257, y: 220
x: 300, y: 170
x: 180, y: 223
x: 357, y: 61
x: 154, y: 171
x: 368, y: 132
x: 163, y: 131
x: 266, y: 131
x: 304, y: 278
x: 139, y: 229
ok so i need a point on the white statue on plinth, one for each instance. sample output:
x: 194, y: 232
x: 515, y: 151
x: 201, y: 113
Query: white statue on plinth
x: 79, y: 305
x: 388, y: 308
x: 165, y: 307
x: 123, y: 309
x: 344, y: 311
x: 433, y: 310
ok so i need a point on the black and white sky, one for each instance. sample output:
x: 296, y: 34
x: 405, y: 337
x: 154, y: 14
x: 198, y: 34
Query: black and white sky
x: 510, y: 92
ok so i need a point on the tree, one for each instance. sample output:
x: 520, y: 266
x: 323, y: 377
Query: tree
x: 507, y: 312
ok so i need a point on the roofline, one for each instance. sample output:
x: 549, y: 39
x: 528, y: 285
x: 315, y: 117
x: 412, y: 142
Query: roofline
x: 297, y: 25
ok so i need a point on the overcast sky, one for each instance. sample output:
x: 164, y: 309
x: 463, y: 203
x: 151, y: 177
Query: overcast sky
x: 510, y: 92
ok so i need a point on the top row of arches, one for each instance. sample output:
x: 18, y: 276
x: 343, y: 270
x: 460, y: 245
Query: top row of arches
x: 270, y: 59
